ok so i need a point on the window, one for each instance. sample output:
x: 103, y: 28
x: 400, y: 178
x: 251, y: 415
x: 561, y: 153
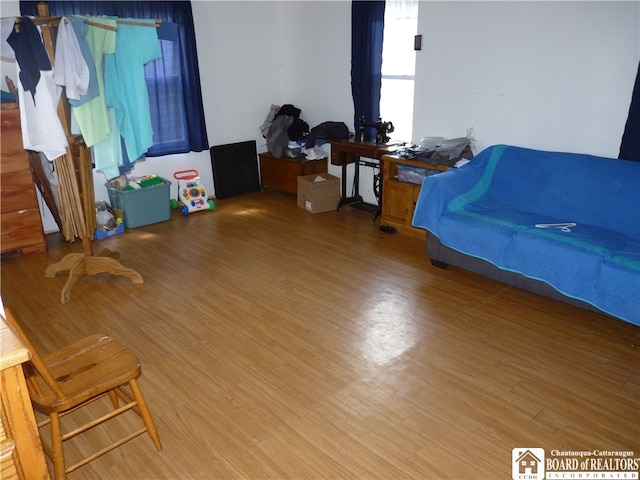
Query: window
x: 173, y: 82
x: 398, y: 66
x: 167, y: 112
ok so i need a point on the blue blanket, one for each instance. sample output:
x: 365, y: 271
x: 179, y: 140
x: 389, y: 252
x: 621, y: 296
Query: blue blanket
x: 570, y: 220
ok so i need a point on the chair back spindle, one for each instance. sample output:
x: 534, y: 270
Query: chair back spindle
x: 36, y: 362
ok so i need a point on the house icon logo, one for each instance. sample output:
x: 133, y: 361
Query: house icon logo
x: 527, y: 464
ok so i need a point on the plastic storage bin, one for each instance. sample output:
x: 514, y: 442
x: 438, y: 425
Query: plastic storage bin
x: 143, y: 206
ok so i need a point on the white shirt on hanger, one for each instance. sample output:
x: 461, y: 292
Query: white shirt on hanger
x: 41, y: 127
x: 71, y: 70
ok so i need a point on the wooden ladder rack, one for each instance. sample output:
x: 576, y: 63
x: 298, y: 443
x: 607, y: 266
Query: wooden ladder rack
x: 76, y: 193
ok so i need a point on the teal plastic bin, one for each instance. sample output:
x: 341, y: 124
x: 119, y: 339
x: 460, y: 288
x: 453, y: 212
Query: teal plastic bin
x: 143, y: 206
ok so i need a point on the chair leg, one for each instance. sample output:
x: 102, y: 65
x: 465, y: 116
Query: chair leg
x: 56, y: 446
x: 145, y: 414
x: 113, y: 395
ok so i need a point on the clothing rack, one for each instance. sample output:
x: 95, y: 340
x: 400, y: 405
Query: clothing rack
x: 53, y: 21
x: 76, y: 192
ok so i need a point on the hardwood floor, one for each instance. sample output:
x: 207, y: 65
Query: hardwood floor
x: 279, y: 344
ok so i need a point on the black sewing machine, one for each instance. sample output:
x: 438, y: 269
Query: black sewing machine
x: 382, y: 128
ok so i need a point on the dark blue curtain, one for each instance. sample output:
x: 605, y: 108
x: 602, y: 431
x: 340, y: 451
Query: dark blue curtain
x: 170, y: 112
x: 367, y: 29
x: 630, y: 146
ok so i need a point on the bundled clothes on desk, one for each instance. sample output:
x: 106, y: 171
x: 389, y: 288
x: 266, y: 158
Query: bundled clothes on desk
x: 101, y: 64
x: 282, y: 125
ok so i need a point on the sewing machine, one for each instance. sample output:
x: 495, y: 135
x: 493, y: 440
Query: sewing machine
x: 382, y: 128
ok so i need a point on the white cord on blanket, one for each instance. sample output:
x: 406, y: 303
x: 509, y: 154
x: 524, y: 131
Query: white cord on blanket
x: 563, y: 227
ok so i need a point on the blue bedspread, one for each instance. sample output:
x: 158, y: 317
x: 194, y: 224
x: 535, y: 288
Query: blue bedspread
x: 570, y: 220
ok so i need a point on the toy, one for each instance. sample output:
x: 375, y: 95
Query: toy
x: 191, y: 194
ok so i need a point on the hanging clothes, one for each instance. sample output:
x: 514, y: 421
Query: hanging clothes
x: 81, y: 29
x: 107, y: 154
x: 126, y: 87
x: 168, y: 31
x: 39, y: 120
x: 30, y: 54
x: 71, y: 69
x: 92, y: 116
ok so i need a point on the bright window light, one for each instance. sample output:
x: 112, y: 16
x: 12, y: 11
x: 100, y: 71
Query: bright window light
x: 398, y: 67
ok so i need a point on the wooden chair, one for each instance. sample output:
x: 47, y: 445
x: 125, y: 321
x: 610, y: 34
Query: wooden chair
x: 75, y: 376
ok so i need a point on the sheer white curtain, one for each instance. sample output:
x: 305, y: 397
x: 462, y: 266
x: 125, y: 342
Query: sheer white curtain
x: 398, y: 66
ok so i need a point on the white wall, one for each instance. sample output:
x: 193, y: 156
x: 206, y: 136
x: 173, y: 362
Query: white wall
x: 550, y: 75
x: 253, y: 54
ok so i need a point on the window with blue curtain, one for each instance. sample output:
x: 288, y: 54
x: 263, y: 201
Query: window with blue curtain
x: 367, y: 28
x: 175, y: 92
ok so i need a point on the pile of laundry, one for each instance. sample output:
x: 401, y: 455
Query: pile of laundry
x: 288, y: 135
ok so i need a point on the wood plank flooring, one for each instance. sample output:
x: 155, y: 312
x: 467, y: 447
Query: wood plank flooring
x: 279, y: 344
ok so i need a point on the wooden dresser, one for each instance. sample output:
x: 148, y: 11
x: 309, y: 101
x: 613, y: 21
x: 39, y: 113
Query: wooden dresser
x: 282, y: 173
x: 399, y: 196
x: 20, y: 221
x: 21, y: 454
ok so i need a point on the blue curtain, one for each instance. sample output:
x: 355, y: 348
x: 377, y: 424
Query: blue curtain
x: 178, y: 120
x: 367, y: 29
x: 630, y: 146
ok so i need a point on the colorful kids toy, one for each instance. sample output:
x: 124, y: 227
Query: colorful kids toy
x: 191, y: 193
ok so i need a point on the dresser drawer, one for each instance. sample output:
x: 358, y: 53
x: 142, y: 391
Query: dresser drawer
x: 22, y: 230
x: 11, y: 134
x: 11, y: 122
x: 14, y: 161
x: 17, y: 190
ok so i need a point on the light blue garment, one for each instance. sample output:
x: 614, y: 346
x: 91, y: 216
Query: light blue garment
x: 80, y: 28
x: 92, y: 116
x: 107, y: 154
x: 126, y: 87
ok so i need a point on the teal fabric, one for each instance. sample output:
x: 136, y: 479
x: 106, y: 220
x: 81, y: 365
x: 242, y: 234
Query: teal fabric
x: 570, y: 220
x: 126, y: 86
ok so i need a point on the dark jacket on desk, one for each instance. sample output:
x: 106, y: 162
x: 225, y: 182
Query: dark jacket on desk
x: 327, y: 130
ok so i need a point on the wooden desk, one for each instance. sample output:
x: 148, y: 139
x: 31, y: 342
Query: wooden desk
x: 22, y: 456
x: 348, y: 151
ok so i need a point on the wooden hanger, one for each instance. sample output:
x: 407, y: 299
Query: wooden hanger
x: 124, y: 22
x: 157, y: 23
x: 101, y: 25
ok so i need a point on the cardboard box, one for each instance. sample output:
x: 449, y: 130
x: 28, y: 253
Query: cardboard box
x: 319, y: 192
